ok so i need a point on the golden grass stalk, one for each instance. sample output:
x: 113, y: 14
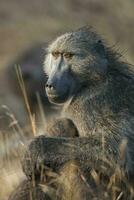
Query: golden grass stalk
x: 23, y: 89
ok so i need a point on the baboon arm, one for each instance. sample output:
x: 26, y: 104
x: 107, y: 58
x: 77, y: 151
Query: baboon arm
x: 55, y: 152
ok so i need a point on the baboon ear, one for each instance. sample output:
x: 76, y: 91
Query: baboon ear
x: 99, y: 48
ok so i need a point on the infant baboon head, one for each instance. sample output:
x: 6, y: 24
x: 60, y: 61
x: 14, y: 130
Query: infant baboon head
x: 74, y: 60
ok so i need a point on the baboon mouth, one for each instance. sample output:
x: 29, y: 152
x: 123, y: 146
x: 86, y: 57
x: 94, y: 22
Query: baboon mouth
x: 57, y: 99
x: 52, y: 96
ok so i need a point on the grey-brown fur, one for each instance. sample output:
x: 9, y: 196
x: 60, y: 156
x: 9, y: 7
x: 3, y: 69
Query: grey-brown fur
x: 101, y: 107
x: 60, y: 127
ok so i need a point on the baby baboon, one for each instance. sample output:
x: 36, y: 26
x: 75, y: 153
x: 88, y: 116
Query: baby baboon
x: 60, y: 127
x: 96, y: 90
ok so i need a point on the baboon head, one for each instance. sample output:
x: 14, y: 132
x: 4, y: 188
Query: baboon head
x: 74, y: 60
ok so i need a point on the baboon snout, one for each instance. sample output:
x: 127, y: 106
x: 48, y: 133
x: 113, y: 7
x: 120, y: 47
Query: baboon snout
x: 57, y: 90
x: 49, y: 87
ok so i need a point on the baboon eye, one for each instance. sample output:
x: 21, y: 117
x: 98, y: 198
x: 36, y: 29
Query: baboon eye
x: 68, y: 55
x: 55, y: 54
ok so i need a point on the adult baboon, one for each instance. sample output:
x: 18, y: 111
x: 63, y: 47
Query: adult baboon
x: 96, y: 90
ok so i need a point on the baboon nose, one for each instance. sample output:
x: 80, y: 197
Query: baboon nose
x: 49, y: 86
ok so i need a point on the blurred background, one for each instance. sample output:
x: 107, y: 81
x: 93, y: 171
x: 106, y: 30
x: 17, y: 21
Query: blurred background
x: 23, y: 23
x: 25, y: 29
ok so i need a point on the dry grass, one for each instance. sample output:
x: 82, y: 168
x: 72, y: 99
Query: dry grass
x: 23, y: 89
x: 109, y: 183
x: 12, y: 145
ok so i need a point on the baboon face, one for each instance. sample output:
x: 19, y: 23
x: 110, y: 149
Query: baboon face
x: 74, y: 60
x: 61, y: 83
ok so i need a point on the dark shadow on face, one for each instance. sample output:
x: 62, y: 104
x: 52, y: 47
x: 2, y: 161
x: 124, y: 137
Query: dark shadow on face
x: 61, y: 87
x: 58, y: 98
